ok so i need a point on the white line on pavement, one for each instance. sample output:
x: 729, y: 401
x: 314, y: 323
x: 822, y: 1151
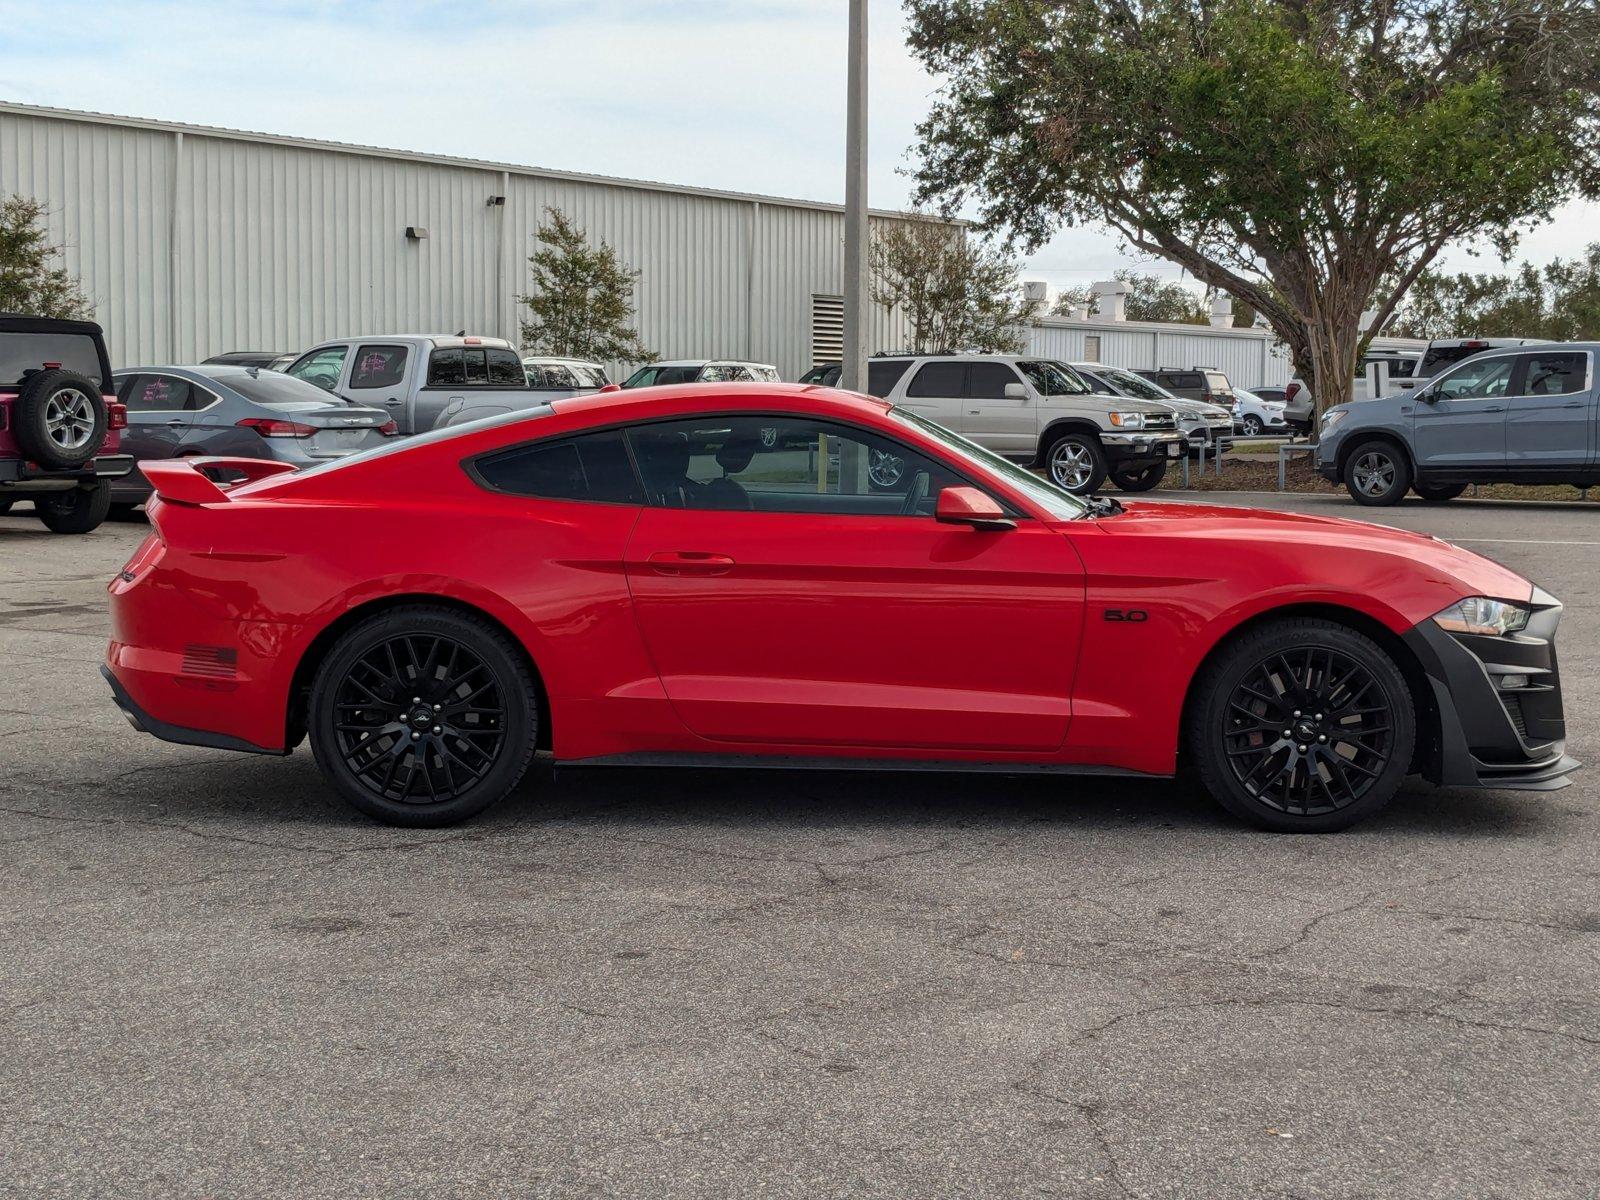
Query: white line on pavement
x: 1521, y: 542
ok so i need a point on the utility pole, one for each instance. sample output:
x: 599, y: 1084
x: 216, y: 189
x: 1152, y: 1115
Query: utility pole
x: 853, y: 374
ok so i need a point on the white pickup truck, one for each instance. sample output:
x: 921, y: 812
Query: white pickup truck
x: 417, y: 377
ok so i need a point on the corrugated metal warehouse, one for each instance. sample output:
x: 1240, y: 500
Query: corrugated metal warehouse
x: 192, y: 241
x: 1249, y: 357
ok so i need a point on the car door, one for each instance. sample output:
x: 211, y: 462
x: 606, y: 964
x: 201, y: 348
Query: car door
x: 1459, y: 421
x: 377, y: 379
x: 1550, y: 421
x: 1001, y: 408
x: 160, y: 415
x: 938, y: 390
x: 786, y: 600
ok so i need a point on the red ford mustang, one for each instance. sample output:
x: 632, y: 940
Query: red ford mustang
x: 788, y: 575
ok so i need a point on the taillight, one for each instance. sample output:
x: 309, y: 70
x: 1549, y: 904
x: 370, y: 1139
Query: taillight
x: 116, y: 416
x: 1290, y: 392
x: 390, y: 428
x: 271, y: 427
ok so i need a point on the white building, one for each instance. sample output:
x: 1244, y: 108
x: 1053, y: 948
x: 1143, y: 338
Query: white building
x: 192, y: 241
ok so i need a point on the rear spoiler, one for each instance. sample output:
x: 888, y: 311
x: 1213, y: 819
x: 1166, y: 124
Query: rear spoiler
x: 189, y: 480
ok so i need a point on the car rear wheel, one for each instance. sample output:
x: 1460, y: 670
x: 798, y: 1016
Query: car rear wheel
x: 424, y: 716
x: 1376, y: 473
x: 1438, y: 493
x: 1302, y: 726
x: 1076, y: 463
x: 1139, y: 479
x: 78, y: 510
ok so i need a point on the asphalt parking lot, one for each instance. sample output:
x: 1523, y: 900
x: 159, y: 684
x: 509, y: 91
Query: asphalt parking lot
x: 217, y: 980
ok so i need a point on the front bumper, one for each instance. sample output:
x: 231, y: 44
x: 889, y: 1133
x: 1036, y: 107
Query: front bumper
x: 1123, y: 446
x: 1491, y: 735
x: 18, y: 475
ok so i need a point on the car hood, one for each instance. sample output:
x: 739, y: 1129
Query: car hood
x: 1128, y: 403
x: 1199, y: 407
x: 1431, y: 557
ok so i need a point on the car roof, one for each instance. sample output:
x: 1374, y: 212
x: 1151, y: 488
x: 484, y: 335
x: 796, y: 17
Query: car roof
x: 715, y: 397
x: 556, y: 358
x: 708, y: 362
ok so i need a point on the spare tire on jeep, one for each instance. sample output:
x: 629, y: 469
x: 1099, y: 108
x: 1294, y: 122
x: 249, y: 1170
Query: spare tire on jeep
x: 60, y: 418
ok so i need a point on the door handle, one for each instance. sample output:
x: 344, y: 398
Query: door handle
x: 176, y: 421
x: 1495, y: 408
x: 689, y: 562
x: 1575, y: 404
x: 392, y: 401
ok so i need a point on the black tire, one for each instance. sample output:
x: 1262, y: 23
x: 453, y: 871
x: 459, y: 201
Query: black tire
x: 1075, y: 461
x: 1438, y: 493
x: 60, y: 418
x: 1252, y: 425
x: 1139, y: 479
x: 478, y: 758
x: 76, y: 511
x: 1376, y: 473
x: 5, y: 504
x: 1348, y: 749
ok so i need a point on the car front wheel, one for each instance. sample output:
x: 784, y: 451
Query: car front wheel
x: 1376, y: 473
x: 1438, y: 493
x: 1132, y: 478
x: 423, y: 716
x: 1302, y: 726
x: 1252, y: 425
x: 1076, y: 462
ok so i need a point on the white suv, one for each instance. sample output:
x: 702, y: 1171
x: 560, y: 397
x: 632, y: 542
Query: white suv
x: 1037, y: 411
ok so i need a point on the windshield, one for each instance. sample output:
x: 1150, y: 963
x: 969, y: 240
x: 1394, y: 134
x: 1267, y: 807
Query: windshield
x: 1059, y: 504
x: 1136, y: 386
x: 1053, y: 379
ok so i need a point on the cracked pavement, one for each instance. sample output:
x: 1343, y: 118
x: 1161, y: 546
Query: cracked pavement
x: 216, y: 980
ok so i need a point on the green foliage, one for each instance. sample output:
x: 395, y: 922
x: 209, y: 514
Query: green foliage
x: 1559, y: 303
x: 1294, y: 155
x: 581, y: 305
x: 1150, y: 298
x: 957, y: 293
x: 32, y: 280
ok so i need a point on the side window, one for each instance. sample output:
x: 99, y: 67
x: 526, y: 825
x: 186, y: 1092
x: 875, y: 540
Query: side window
x: 320, y: 367
x: 784, y: 464
x: 162, y: 393
x: 1054, y: 379
x: 1482, y: 379
x: 718, y: 373
x: 881, y: 376
x: 505, y: 369
x: 1555, y: 374
x: 592, y: 467
x: 447, y: 368
x: 939, y: 379
x: 378, y: 367
x: 987, y: 380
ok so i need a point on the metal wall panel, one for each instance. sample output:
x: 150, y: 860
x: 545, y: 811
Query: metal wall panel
x: 1250, y: 358
x: 193, y: 242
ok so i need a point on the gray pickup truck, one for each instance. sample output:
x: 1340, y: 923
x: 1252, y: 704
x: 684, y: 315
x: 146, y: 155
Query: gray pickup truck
x: 417, y: 377
x: 1527, y: 415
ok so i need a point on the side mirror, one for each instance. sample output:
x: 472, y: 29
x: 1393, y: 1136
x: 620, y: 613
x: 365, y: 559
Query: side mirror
x: 1015, y: 391
x: 969, y: 506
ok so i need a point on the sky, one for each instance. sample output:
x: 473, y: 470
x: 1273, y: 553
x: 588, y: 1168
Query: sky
x: 746, y: 95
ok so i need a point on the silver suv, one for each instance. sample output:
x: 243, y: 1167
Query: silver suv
x: 1037, y: 411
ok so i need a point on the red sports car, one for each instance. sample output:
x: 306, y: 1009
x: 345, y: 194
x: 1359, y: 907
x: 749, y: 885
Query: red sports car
x: 789, y: 576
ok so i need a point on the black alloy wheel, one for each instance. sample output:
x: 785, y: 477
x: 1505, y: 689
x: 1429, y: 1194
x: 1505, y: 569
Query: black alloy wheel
x: 1303, y: 725
x: 423, y: 716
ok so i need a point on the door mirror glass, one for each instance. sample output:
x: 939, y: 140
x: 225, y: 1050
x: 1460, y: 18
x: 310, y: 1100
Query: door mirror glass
x: 969, y: 506
x: 1015, y: 391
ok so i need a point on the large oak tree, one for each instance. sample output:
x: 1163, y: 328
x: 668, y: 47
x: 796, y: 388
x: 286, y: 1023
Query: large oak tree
x: 1305, y: 156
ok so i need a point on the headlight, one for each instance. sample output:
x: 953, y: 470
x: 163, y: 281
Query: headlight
x: 1127, y: 420
x: 1481, y: 615
x: 1333, y: 417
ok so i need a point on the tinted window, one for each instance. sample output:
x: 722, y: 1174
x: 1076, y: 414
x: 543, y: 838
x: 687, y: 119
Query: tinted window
x: 1133, y: 385
x: 321, y: 367
x: 591, y: 376
x: 269, y: 387
x: 650, y: 376
x: 987, y: 381
x: 1555, y: 374
x: 1054, y: 379
x: 784, y: 464
x: 477, y: 369
x: 22, y: 352
x: 1217, y: 381
x: 378, y: 367
x: 592, y: 467
x: 1179, y: 379
x: 447, y: 368
x: 882, y: 376
x: 505, y: 369
x: 161, y: 393
x: 1479, y: 380
x: 939, y: 379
